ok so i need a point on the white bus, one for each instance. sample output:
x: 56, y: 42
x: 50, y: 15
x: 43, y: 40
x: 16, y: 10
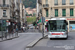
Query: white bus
x: 57, y: 28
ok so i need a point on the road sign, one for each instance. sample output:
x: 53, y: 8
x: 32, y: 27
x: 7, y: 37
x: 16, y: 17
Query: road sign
x: 39, y: 21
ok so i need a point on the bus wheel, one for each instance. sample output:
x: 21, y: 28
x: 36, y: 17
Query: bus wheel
x: 51, y: 38
x: 66, y: 38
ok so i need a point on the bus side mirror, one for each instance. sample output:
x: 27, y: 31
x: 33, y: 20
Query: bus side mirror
x: 66, y: 23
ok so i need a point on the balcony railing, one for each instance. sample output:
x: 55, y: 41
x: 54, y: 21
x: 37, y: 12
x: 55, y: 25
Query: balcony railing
x: 40, y: 1
x: 4, y: 6
x: 4, y: 16
x: 63, y: 3
x: 56, y: 4
x: 71, y: 3
x: 45, y: 5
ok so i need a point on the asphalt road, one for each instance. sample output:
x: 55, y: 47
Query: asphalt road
x: 56, y: 44
x: 21, y: 42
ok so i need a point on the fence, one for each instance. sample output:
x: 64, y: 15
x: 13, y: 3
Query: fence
x: 7, y: 36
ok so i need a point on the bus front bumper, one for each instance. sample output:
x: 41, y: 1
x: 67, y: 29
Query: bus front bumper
x: 57, y: 36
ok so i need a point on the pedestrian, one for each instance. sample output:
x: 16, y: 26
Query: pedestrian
x: 46, y: 29
x: 23, y: 29
x: 7, y: 30
x: 6, y: 33
x: 70, y: 27
x: 16, y: 29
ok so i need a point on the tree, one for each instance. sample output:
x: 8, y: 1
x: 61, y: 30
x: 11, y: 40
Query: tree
x: 29, y: 3
x: 34, y: 23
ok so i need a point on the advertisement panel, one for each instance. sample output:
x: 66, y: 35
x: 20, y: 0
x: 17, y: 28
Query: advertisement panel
x: 72, y: 26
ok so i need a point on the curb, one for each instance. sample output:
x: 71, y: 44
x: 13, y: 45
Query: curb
x: 32, y: 44
x: 9, y: 39
x: 27, y: 48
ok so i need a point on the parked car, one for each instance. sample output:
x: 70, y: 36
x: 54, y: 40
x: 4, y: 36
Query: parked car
x: 32, y: 27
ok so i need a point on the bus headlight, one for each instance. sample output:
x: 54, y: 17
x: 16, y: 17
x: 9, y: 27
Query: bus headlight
x: 64, y: 33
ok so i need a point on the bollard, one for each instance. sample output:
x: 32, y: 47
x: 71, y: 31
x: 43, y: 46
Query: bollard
x: 2, y: 35
x: 6, y: 35
x: 17, y: 33
x: 9, y: 35
x: 12, y: 34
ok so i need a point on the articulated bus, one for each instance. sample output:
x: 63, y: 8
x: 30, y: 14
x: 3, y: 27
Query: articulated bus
x: 57, y: 28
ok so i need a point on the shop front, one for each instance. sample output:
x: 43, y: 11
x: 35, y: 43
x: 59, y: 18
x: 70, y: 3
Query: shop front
x: 71, y: 24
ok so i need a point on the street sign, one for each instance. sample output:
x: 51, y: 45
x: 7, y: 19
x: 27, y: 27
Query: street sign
x: 42, y: 19
x: 39, y: 21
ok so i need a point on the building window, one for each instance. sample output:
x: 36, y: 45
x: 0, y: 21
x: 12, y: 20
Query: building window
x: 46, y: 1
x: 4, y: 13
x: 63, y: 2
x: 71, y: 2
x: 71, y: 12
x: 3, y: 2
x: 55, y: 2
x: 46, y: 12
x: 56, y: 12
x: 63, y: 12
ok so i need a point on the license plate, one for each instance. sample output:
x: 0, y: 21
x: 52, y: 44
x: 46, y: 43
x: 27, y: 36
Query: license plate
x: 56, y: 36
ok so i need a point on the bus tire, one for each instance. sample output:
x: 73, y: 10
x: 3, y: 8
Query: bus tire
x: 51, y: 38
x: 66, y: 38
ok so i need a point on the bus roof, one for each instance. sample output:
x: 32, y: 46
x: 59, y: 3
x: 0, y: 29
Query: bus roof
x: 58, y: 19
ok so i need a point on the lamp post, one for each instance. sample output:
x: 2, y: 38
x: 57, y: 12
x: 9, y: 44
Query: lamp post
x: 37, y: 7
x: 43, y: 20
x: 1, y: 29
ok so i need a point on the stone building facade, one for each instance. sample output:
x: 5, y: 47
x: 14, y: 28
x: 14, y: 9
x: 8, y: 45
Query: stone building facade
x: 60, y: 8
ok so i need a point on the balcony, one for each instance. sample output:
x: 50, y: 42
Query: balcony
x: 13, y: 4
x: 4, y: 16
x: 56, y: 4
x: 71, y: 3
x: 63, y: 3
x: 45, y: 5
x: 4, y: 6
x: 40, y: 1
x: 17, y: 10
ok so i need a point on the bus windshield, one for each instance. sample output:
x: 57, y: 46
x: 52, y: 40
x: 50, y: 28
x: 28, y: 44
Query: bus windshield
x: 57, y: 25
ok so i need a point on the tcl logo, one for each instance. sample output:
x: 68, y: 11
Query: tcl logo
x: 57, y: 33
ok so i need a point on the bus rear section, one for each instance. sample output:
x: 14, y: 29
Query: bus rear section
x: 57, y: 29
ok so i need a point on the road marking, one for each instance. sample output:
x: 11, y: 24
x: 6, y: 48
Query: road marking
x: 27, y: 48
x: 65, y: 47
